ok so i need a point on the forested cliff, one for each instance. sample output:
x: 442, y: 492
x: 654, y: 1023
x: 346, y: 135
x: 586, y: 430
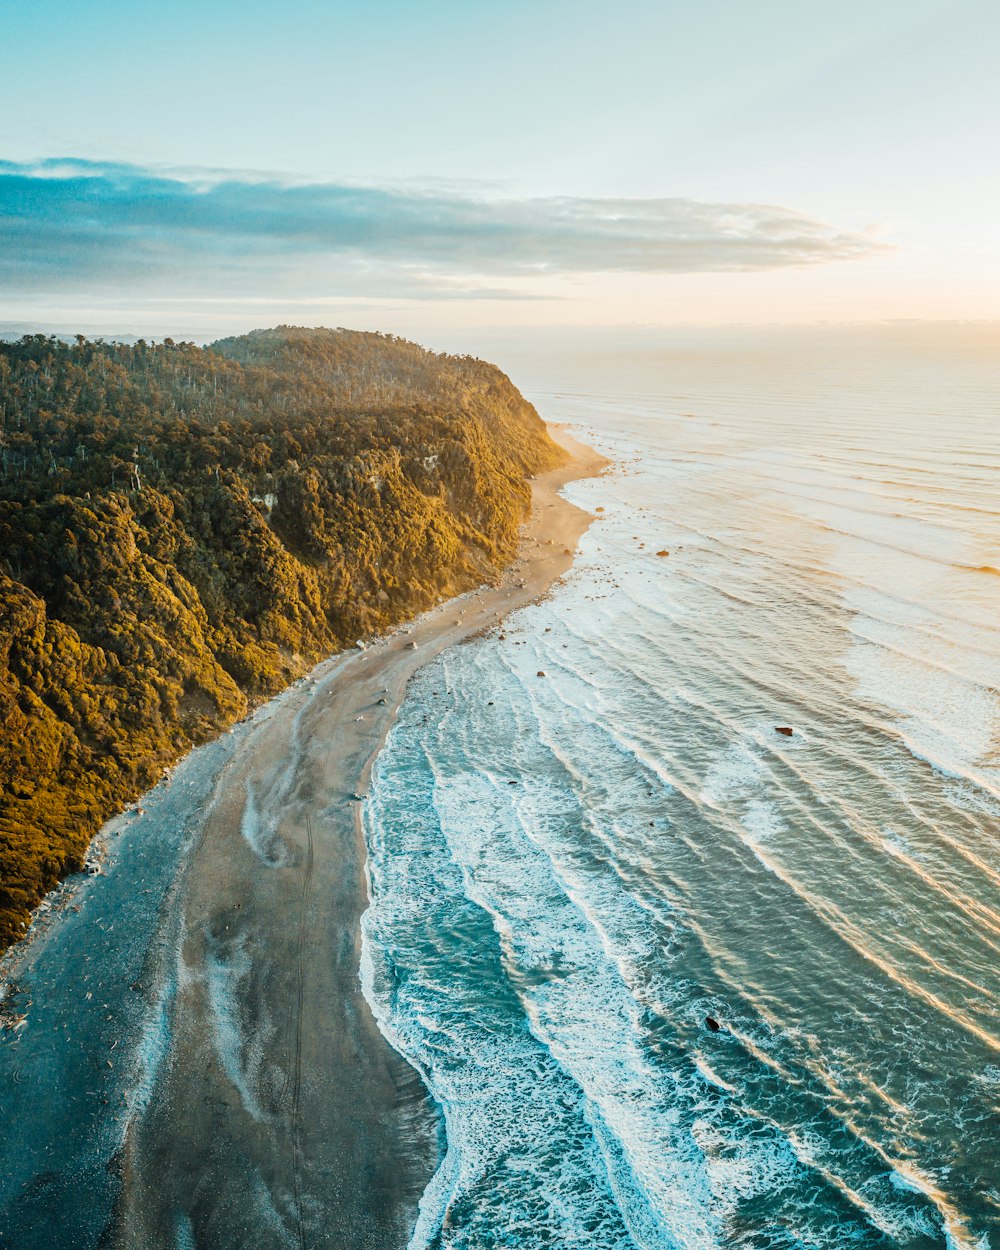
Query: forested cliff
x: 183, y: 530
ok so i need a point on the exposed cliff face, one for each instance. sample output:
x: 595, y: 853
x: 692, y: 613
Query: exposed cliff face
x: 185, y: 530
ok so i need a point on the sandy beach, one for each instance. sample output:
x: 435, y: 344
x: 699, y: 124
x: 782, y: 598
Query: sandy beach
x: 278, y: 1108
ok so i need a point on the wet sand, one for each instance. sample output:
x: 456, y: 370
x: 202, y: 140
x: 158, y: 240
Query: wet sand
x: 279, y: 1115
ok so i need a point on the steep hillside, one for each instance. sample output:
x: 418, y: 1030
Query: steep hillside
x: 183, y: 530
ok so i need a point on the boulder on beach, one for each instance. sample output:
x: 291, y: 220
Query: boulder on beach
x: 541, y: 672
x: 663, y: 553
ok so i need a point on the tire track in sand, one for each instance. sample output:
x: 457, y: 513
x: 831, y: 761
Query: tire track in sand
x: 300, y: 997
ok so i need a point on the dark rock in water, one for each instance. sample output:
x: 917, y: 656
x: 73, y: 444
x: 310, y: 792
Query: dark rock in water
x: 663, y: 553
x: 541, y: 672
x: 712, y: 1024
x: 787, y: 730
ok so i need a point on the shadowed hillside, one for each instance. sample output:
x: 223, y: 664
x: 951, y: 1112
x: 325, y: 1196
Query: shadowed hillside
x: 183, y: 530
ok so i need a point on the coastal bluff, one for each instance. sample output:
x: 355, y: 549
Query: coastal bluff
x: 186, y: 530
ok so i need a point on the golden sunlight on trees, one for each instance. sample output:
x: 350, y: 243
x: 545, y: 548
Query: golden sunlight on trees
x: 183, y: 530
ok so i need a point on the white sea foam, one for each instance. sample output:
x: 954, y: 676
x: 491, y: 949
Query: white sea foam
x: 546, y: 952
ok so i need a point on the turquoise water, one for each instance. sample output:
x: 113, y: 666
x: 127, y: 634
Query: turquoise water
x: 571, y: 872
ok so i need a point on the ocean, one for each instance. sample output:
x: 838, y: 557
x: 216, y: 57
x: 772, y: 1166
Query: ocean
x: 676, y: 979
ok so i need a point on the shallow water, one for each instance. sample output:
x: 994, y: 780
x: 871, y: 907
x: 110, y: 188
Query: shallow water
x: 571, y: 872
x: 96, y: 980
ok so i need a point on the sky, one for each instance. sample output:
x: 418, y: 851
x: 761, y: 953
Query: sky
x: 201, y: 168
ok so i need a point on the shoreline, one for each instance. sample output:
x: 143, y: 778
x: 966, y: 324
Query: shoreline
x: 262, y: 1101
x: 338, y: 1141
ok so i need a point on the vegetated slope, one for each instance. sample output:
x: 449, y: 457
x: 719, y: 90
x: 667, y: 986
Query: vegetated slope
x: 183, y: 530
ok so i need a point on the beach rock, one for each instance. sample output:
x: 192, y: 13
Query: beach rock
x: 787, y: 730
x: 360, y: 644
x: 663, y: 553
x: 712, y: 1024
x: 412, y: 646
x: 541, y: 672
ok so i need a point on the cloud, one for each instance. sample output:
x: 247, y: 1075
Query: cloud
x: 73, y: 224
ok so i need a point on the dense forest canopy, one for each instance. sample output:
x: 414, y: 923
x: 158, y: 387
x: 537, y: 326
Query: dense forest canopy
x: 183, y: 530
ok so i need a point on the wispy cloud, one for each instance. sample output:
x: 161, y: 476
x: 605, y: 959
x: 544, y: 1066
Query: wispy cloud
x: 70, y: 224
